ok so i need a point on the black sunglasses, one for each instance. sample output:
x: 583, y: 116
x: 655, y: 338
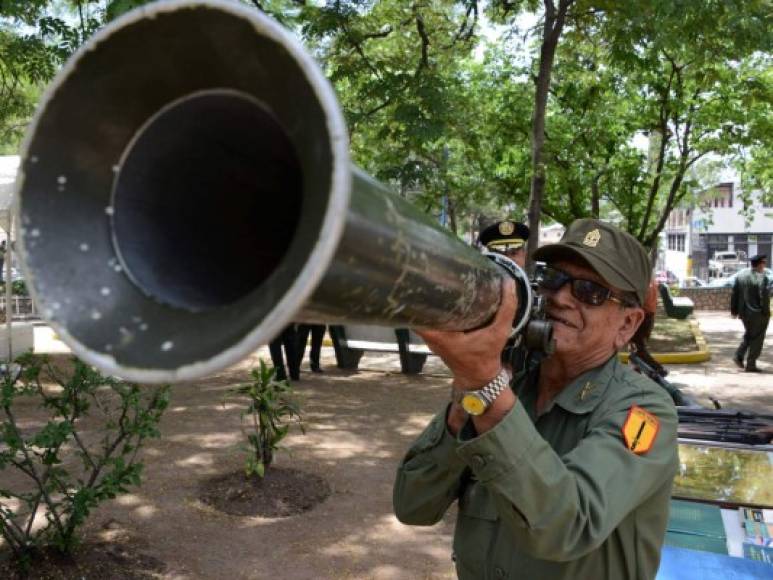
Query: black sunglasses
x: 586, y: 291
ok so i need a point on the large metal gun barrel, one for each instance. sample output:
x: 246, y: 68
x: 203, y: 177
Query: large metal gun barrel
x: 186, y: 191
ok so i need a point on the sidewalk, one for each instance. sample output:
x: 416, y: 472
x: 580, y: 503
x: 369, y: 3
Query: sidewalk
x: 719, y: 378
x: 716, y: 378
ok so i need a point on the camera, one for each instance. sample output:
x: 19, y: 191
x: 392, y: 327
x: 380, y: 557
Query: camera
x: 532, y: 334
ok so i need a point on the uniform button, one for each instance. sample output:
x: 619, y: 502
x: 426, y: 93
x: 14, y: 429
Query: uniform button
x: 499, y: 573
x: 479, y: 461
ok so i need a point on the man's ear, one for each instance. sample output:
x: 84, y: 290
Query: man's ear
x: 632, y: 318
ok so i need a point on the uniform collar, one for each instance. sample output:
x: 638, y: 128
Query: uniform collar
x: 585, y: 393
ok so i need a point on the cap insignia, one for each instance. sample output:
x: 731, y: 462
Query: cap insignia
x: 506, y: 228
x: 592, y: 238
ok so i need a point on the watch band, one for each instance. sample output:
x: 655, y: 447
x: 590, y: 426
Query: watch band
x: 487, y: 394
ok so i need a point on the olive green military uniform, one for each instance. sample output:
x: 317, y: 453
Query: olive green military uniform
x: 750, y: 301
x: 555, y: 496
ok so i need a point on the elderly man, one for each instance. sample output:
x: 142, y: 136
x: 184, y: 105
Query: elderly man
x: 750, y: 302
x: 566, y: 470
x: 508, y: 238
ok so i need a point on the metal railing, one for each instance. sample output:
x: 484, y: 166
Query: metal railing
x: 21, y: 307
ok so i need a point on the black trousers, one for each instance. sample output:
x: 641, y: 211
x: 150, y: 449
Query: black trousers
x: 317, y: 334
x: 755, y: 325
x: 288, y: 339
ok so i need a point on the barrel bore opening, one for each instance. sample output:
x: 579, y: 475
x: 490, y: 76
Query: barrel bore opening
x: 206, y: 200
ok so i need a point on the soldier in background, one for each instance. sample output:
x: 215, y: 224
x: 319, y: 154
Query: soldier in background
x: 750, y: 302
x: 317, y: 332
x: 289, y: 339
x: 508, y: 238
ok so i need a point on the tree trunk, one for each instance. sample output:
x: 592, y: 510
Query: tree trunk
x: 451, y: 214
x: 594, y: 202
x: 554, y: 24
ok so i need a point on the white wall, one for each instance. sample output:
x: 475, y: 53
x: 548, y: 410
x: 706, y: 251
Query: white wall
x: 728, y: 220
x: 677, y: 263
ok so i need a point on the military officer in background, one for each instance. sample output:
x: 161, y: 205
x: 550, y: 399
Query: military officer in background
x: 565, y: 470
x: 750, y: 302
x: 508, y: 238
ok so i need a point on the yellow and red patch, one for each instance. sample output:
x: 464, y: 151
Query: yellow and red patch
x: 640, y: 429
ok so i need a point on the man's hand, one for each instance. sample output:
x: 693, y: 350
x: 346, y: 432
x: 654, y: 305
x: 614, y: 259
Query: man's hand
x: 474, y: 357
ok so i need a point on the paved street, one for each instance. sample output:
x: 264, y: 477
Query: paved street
x: 719, y: 377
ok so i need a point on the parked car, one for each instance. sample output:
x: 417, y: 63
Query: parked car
x: 728, y: 281
x: 666, y: 277
x: 724, y: 264
x: 725, y: 282
x: 693, y: 282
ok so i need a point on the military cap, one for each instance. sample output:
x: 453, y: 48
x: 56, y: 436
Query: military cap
x: 615, y: 255
x: 755, y: 260
x: 503, y: 235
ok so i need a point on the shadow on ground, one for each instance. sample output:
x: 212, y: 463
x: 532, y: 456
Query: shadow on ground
x: 358, y: 427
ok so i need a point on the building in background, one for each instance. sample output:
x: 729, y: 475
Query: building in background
x: 713, y: 238
x: 9, y: 166
x: 550, y: 234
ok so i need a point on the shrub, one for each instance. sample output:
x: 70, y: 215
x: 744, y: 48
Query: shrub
x: 18, y: 288
x: 68, y: 470
x: 270, y: 405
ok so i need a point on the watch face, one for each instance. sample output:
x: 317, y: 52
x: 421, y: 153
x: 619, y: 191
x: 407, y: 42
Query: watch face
x: 473, y: 404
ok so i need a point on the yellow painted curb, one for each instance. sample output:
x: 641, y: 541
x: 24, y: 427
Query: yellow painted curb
x: 695, y: 356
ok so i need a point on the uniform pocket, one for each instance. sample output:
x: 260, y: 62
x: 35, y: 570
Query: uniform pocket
x: 476, y: 529
x: 476, y: 502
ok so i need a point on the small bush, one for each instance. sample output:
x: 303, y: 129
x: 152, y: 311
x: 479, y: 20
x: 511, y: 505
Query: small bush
x: 18, y: 288
x: 270, y: 405
x: 68, y: 470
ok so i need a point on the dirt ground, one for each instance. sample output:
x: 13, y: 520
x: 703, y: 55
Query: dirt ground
x: 358, y: 426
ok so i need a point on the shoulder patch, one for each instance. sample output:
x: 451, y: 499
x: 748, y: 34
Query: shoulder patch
x: 640, y: 429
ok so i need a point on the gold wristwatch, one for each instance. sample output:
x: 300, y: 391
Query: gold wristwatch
x: 478, y: 401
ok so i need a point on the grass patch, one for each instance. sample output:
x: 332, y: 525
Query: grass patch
x: 671, y: 335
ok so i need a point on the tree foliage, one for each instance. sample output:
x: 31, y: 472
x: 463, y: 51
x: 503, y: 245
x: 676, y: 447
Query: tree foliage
x: 452, y: 122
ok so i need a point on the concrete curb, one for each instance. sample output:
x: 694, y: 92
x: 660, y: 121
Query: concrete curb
x: 694, y: 356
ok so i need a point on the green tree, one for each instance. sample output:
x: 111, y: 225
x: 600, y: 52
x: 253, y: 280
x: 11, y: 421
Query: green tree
x: 36, y: 37
x: 693, y: 67
x: 399, y: 70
